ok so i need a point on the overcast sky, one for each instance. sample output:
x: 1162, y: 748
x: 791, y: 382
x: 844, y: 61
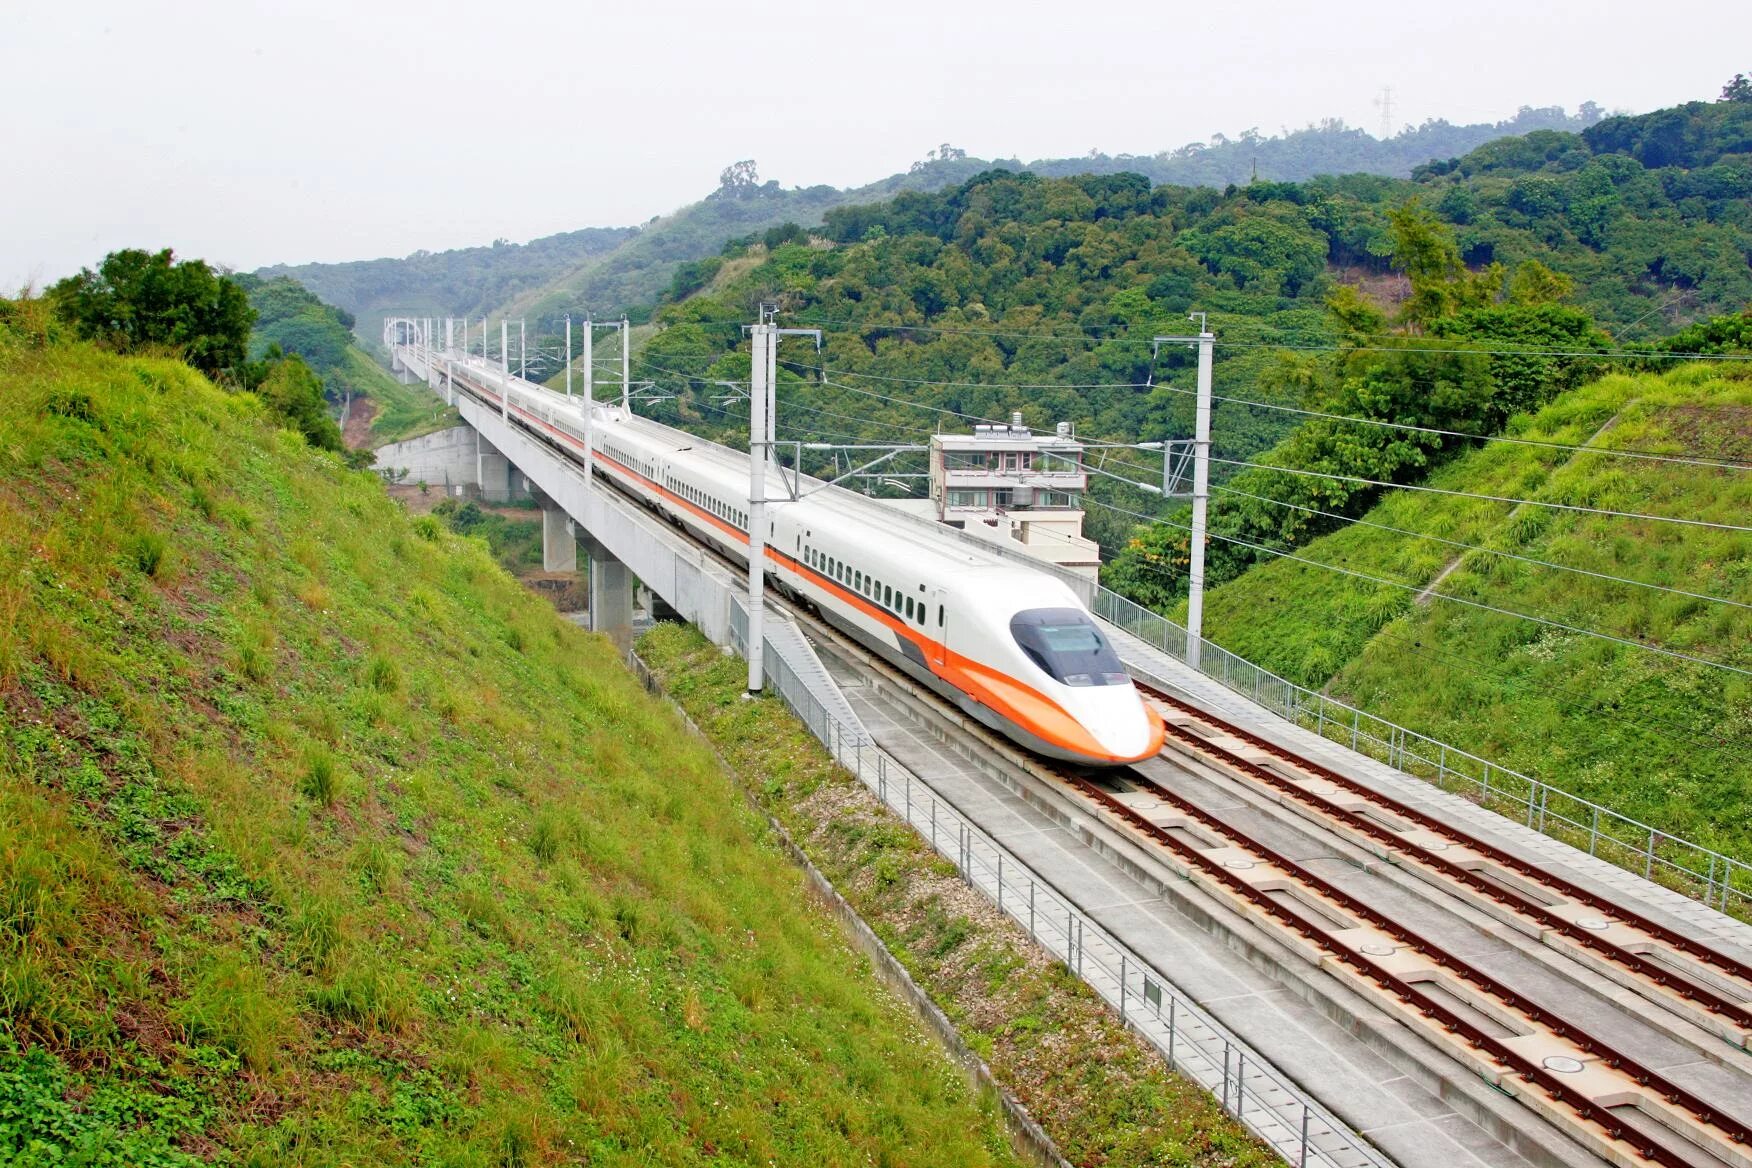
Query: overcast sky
x: 252, y: 133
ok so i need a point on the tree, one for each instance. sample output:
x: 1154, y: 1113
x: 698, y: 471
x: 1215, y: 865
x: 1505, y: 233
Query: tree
x: 293, y: 393
x: 139, y: 299
x: 1739, y: 89
x: 1424, y: 249
x: 739, y: 178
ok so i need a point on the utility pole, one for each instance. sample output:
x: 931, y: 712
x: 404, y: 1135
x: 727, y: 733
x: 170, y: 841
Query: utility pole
x: 568, y: 354
x: 762, y: 425
x: 1201, y: 483
x: 626, y: 365
x: 589, y: 399
x: 759, y: 388
x: 484, y: 354
x: 465, y: 336
x: 505, y: 369
x: 522, y: 350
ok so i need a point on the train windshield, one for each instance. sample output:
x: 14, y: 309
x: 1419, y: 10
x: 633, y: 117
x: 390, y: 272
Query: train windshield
x: 1066, y: 643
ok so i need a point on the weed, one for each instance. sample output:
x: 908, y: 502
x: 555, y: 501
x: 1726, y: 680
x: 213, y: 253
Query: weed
x: 364, y: 993
x: 149, y: 553
x: 378, y: 866
x: 254, y: 663
x: 382, y: 675
x: 232, y: 1005
x: 315, y: 930
x: 321, y: 783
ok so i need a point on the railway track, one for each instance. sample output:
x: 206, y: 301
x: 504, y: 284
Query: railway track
x: 1702, y: 984
x: 1617, y: 1106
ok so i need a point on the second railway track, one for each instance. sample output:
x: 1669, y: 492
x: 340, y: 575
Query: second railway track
x: 1702, y: 984
x: 1622, y: 1109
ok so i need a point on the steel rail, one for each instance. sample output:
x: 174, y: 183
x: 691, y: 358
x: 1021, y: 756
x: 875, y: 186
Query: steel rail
x: 1593, y: 939
x: 1407, y: 991
x: 1673, y: 939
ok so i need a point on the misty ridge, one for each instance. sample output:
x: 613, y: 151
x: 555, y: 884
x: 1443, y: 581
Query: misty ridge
x: 607, y: 269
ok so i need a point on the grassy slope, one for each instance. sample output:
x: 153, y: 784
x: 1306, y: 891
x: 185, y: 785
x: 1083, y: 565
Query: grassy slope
x: 403, y: 411
x: 321, y: 842
x: 1658, y: 739
x: 1100, y: 1092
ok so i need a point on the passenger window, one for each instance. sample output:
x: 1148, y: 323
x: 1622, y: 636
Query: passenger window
x: 887, y: 597
x: 909, y: 608
x: 858, y: 580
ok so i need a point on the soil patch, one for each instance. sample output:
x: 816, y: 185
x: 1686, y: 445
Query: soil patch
x: 357, y: 431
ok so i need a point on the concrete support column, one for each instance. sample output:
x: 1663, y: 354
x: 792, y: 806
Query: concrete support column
x: 559, y: 541
x: 492, y: 470
x: 611, y: 597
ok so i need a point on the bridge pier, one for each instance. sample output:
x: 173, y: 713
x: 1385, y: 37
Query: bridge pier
x: 492, y: 471
x: 559, y: 539
x: 611, y: 596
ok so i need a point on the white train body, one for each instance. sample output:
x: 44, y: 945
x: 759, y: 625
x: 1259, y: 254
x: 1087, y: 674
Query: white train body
x: 1013, y: 648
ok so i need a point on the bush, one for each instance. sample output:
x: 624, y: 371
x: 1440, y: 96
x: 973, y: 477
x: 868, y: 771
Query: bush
x: 138, y: 300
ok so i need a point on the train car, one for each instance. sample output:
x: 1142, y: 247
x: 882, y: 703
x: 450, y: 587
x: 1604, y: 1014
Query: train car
x: 1014, y: 649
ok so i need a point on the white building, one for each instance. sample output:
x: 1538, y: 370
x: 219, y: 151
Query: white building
x: 1008, y: 483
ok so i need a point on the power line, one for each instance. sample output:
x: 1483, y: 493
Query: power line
x: 1490, y: 498
x: 915, y: 405
x: 1524, y: 352
x: 1085, y: 338
x: 801, y: 406
x: 1513, y: 441
x: 1476, y: 548
x: 1433, y: 594
x: 967, y: 384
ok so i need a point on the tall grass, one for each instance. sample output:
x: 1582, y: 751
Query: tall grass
x: 302, y: 860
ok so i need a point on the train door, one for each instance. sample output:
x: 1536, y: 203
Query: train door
x: 936, y: 625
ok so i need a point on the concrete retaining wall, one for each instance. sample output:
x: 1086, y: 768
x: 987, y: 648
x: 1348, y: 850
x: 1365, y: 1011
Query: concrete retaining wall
x: 444, y: 459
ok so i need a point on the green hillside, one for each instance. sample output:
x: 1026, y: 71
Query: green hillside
x: 1656, y: 738
x: 290, y: 317
x: 321, y: 842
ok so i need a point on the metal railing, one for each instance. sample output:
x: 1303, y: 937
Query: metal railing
x: 1718, y: 881
x: 1198, y: 1046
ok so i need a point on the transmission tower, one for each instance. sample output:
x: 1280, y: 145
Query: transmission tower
x: 1384, y: 103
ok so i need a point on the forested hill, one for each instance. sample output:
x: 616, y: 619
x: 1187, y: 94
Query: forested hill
x: 610, y: 270
x: 1016, y: 291
x: 462, y: 282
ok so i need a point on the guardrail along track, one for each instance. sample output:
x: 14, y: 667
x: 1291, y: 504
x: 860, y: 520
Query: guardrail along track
x: 1601, y: 1093
x: 1611, y: 934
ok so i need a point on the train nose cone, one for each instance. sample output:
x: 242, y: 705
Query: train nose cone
x: 1126, y: 728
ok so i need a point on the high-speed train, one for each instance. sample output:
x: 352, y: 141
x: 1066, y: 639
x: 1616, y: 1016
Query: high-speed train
x: 1013, y: 648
